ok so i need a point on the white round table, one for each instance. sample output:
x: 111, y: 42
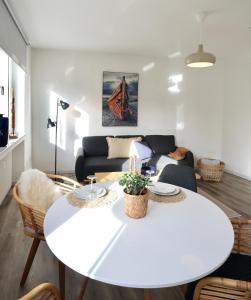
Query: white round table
x: 175, y: 243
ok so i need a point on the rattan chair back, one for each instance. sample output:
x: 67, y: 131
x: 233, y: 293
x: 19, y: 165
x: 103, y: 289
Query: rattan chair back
x: 33, y: 218
x: 65, y: 184
x: 216, y: 288
x: 44, y: 291
x: 242, y: 233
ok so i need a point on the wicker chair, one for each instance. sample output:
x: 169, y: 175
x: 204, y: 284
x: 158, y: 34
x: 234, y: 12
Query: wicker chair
x: 44, y: 291
x: 238, y: 266
x: 242, y: 234
x: 33, y: 219
x: 216, y: 288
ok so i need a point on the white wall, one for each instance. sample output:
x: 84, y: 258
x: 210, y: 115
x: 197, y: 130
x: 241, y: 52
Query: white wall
x: 77, y: 78
x: 198, y: 108
x: 237, y: 116
x: 208, y: 111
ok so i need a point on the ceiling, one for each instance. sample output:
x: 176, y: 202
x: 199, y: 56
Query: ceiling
x: 138, y: 27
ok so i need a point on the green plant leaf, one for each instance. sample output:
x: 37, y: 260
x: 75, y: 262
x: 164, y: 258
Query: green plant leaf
x: 134, y: 183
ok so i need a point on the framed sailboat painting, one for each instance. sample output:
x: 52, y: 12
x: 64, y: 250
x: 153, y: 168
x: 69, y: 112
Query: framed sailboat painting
x: 120, y: 99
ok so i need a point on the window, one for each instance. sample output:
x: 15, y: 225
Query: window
x: 12, y: 89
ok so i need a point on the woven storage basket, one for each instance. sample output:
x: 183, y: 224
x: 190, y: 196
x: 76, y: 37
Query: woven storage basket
x: 210, y: 172
x: 136, y: 205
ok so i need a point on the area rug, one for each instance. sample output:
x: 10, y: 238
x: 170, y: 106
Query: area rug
x: 228, y: 211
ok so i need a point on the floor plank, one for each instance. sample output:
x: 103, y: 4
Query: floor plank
x: 14, y: 246
x: 233, y: 191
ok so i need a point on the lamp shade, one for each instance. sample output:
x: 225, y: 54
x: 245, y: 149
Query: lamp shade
x: 200, y: 59
x: 50, y: 123
x: 64, y: 105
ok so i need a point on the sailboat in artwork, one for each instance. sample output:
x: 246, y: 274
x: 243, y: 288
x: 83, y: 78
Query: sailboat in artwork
x: 118, y: 103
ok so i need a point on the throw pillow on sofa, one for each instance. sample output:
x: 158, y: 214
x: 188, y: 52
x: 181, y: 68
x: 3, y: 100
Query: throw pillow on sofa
x: 121, y: 147
x: 161, y: 144
x: 142, y: 150
x: 179, y: 154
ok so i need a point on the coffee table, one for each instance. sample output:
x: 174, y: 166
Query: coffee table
x: 174, y: 244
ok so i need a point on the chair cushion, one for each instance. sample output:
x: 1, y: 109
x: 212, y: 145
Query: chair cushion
x: 237, y: 266
x: 161, y: 144
x: 95, y: 146
x: 37, y: 190
x: 121, y: 147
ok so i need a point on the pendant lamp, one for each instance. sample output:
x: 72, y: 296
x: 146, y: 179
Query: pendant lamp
x: 200, y: 59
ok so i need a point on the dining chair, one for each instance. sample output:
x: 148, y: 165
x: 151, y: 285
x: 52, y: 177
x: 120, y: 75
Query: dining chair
x: 217, y: 288
x: 182, y: 176
x: 44, y: 291
x: 33, y: 219
x: 238, y: 265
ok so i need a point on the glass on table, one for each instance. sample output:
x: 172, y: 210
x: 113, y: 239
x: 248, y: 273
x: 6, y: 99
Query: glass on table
x: 92, y: 190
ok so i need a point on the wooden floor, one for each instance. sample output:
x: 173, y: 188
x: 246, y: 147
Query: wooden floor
x: 232, y: 191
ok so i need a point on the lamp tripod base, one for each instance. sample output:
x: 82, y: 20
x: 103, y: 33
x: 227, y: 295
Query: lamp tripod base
x: 13, y: 136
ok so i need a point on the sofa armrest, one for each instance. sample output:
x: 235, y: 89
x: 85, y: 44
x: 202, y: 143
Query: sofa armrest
x: 188, y: 160
x: 79, y: 170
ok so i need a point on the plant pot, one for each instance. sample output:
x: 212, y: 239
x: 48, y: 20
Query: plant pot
x: 136, y: 205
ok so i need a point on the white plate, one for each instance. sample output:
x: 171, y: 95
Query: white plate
x: 175, y: 192
x: 162, y: 188
x: 85, y: 192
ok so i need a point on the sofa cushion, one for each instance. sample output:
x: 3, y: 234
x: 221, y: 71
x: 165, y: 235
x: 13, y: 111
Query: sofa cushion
x: 160, y: 161
x: 142, y: 150
x: 121, y: 147
x: 102, y: 164
x: 95, y: 146
x: 161, y: 144
x: 128, y: 136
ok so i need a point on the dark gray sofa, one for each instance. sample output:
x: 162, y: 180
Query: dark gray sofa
x: 95, y: 152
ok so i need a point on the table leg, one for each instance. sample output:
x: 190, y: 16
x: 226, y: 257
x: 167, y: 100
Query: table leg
x: 61, y: 273
x: 147, y: 294
x: 83, y: 288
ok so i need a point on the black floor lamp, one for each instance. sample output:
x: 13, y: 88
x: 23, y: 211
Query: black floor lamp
x: 50, y: 123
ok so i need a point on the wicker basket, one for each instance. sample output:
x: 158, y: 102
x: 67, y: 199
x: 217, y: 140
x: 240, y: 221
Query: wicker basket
x: 136, y: 205
x: 210, y: 172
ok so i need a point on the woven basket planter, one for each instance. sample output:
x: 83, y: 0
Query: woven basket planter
x: 210, y: 172
x: 136, y: 205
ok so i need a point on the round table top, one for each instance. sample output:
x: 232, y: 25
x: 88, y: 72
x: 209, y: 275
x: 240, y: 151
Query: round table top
x: 175, y: 243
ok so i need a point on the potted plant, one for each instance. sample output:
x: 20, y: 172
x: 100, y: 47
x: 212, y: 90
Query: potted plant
x: 135, y: 194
